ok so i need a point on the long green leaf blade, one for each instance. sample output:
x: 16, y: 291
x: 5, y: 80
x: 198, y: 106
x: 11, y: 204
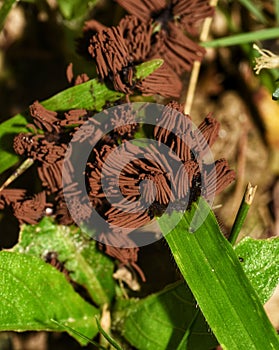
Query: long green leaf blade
x: 213, y: 272
x: 33, y: 293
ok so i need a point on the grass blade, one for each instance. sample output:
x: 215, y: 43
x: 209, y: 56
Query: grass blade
x: 276, y: 7
x: 244, y: 38
x: 252, y: 7
x: 72, y: 330
x: 184, y: 342
x: 107, y: 336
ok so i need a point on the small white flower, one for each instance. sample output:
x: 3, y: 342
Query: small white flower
x: 268, y: 60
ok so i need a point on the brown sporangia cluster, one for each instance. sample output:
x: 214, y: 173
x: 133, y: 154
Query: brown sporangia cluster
x: 46, y: 144
x: 81, y: 78
x: 48, y: 149
x: 172, y: 19
x: 151, y: 181
x: 117, y: 50
x: 155, y: 29
x: 141, y: 182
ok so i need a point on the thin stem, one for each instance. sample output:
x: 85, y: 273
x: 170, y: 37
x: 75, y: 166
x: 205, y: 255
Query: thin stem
x: 184, y: 342
x: 79, y: 334
x: 197, y: 65
x: 20, y: 170
x: 107, y: 336
x: 242, y: 212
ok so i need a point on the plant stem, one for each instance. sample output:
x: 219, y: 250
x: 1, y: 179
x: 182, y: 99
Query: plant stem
x: 184, y: 342
x: 79, y: 334
x: 20, y: 170
x: 242, y: 212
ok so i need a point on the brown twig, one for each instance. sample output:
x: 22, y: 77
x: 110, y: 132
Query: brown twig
x: 197, y: 64
x: 20, y: 170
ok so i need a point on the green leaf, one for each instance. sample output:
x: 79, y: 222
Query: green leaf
x: 244, y: 38
x: 91, y: 95
x: 260, y: 261
x: 33, y: 293
x: 77, y: 251
x: 212, y: 270
x: 146, y: 68
x: 75, y: 8
x: 160, y: 321
x: 94, y: 95
x: 5, y: 8
x: 8, y: 130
